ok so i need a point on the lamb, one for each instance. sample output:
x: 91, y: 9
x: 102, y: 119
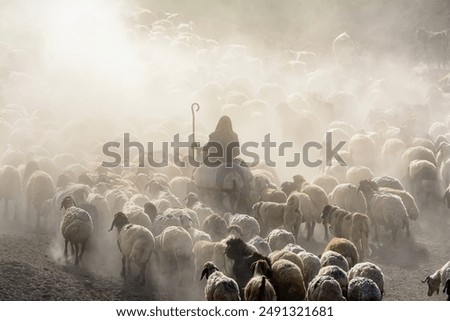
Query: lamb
x: 348, y: 197
x: 385, y: 209
x: 334, y: 258
x: 363, y: 289
x: 287, y: 280
x: 219, y: 287
x: 259, y: 287
x: 39, y: 188
x: 243, y: 256
x: 338, y: 274
x: 136, y: 244
x: 344, y: 247
x: 352, y: 226
x: 196, y: 235
x: 273, y: 215
x: 370, y: 271
x: 438, y: 278
x: 324, y: 288
x: 279, y: 238
x: 76, y: 227
x: 311, y: 266
x: 174, y: 252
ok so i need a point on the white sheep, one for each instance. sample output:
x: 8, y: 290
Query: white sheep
x: 370, y: 271
x: 279, y: 238
x: 334, y: 258
x: 136, y: 244
x: 259, y: 287
x: 356, y: 174
x: 267, y: 191
x: 438, y: 278
x: 352, y: 226
x: 76, y: 227
x: 174, y: 252
x: 261, y: 245
x: 196, y: 235
x: 202, y: 211
x: 385, y: 209
x: 136, y: 215
x: 363, y: 289
x: 338, y: 274
x: 324, y: 288
x: 249, y: 225
x: 311, y: 266
x: 273, y: 215
x: 348, y: 197
x: 407, y: 199
x: 219, y: 287
x: 39, y: 188
x: 388, y: 181
x: 326, y: 182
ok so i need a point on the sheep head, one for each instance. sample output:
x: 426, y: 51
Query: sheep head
x: 191, y: 199
x: 67, y: 202
x: 433, y: 284
x: 367, y: 186
x: 326, y: 213
x: 261, y: 267
x: 236, y: 231
x: 185, y: 221
x: 236, y: 249
x: 151, y: 210
x: 120, y: 219
x: 208, y: 269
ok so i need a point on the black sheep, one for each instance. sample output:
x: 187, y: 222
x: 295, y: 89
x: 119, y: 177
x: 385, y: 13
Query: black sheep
x: 244, y: 256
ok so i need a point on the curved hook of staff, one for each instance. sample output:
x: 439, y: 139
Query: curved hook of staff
x: 197, y: 108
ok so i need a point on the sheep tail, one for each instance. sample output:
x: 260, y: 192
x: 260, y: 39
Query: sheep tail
x: 262, y: 289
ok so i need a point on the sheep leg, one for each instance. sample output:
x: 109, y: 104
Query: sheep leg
x: 326, y: 236
x: 128, y: 267
x: 65, y: 247
x: 141, y: 276
x: 83, y: 248
x: 122, y: 273
x: 76, y: 253
x: 394, y: 236
x: 311, y: 226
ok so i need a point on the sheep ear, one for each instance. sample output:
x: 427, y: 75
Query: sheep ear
x: 204, y: 272
x: 252, y: 267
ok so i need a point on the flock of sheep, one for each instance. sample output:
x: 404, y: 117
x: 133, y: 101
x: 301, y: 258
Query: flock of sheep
x: 397, y: 156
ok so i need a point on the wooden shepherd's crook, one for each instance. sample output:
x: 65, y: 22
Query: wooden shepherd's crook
x: 194, y: 143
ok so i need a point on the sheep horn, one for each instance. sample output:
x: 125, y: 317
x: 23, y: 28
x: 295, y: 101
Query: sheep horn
x: 427, y: 278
